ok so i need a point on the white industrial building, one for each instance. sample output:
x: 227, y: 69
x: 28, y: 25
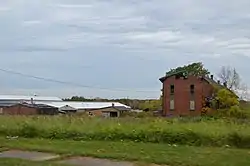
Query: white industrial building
x: 83, y: 106
x: 7, y: 100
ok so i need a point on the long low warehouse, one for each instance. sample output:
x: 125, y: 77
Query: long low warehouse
x: 84, y: 106
x: 112, y: 109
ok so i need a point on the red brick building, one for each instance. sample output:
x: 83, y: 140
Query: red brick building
x: 28, y: 109
x: 185, y: 95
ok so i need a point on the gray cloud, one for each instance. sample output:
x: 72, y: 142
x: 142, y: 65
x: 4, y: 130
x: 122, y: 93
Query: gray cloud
x: 125, y: 44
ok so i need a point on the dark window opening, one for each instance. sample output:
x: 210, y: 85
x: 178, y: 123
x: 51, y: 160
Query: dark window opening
x: 192, y: 89
x: 177, y: 76
x: 171, y: 89
x: 113, y: 114
x: 208, y: 102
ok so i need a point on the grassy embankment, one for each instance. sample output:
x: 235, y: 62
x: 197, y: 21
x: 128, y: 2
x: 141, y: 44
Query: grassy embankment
x: 140, y: 152
x: 196, y: 133
x: 132, y: 139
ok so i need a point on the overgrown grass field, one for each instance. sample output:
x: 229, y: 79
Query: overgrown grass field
x: 198, y: 132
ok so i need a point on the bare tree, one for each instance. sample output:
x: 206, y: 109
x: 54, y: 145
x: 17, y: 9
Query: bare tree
x: 230, y: 77
x: 243, y: 92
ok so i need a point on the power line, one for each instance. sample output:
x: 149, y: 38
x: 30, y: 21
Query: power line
x: 69, y: 83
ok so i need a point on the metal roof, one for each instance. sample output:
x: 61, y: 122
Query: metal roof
x: 84, y: 105
x: 6, y: 104
x: 122, y: 108
x: 28, y: 98
x: 33, y: 105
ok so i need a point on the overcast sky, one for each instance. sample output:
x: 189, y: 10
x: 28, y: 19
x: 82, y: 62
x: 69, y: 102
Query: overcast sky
x: 121, y: 45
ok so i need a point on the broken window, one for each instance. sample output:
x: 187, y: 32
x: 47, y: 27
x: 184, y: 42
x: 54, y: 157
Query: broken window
x: 171, y: 89
x: 192, y: 105
x: 192, y: 89
x: 171, y: 105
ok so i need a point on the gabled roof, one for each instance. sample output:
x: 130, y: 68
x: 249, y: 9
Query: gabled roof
x: 32, y: 105
x: 118, y: 108
x: 121, y: 108
x: 84, y: 105
x: 6, y: 104
x: 68, y: 108
x: 209, y: 80
x: 183, y: 73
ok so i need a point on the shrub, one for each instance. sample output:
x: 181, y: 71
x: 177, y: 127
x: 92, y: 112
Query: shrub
x: 235, y: 111
x: 226, y: 99
x: 138, y: 114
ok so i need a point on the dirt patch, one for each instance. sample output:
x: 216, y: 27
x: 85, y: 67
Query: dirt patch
x: 88, y: 161
x: 28, y: 155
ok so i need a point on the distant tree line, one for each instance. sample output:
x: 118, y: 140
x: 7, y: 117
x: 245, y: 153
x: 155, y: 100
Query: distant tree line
x: 146, y: 105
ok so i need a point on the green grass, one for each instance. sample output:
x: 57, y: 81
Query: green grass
x: 141, y: 152
x: 196, y: 132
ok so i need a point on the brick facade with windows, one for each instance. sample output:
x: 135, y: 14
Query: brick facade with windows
x: 185, y: 95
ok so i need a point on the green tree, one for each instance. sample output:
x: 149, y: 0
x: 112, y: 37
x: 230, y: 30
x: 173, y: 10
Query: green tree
x: 229, y: 105
x: 226, y: 98
x: 196, y: 69
x: 151, y: 105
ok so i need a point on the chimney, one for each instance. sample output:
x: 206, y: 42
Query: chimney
x: 225, y: 84
x: 212, y: 77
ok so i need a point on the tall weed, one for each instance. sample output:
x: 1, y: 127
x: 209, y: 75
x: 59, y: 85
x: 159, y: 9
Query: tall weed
x: 186, y: 131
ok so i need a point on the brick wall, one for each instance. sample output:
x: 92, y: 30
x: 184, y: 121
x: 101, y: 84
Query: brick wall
x: 182, y: 95
x: 19, y: 110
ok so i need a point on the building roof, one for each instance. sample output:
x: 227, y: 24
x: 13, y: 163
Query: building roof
x: 28, y: 98
x: 118, y: 108
x: 42, y: 106
x: 39, y: 106
x: 121, y: 108
x: 183, y: 73
x: 213, y: 82
x: 68, y: 108
x: 6, y: 104
x: 84, y: 105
